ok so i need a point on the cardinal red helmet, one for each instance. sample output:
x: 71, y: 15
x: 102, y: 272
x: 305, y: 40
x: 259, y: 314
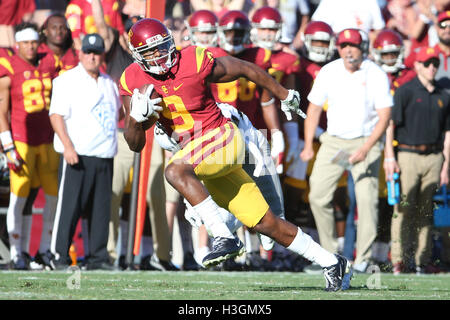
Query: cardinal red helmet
x: 203, y: 21
x: 388, y: 41
x: 266, y: 18
x: 152, y: 46
x: 238, y: 22
x: 318, y: 31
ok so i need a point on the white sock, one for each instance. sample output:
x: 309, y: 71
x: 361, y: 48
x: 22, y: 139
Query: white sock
x: 147, y: 246
x: 123, y: 237
x: 200, y: 253
x: 208, y: 211
x: 26, y: 233
x: 48, y: 217
x: 85, y: 235
x: 305, y: 246
x: 14, y: 219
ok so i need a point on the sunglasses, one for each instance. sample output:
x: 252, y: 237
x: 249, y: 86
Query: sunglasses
x: 444, y: 24
x: 434, y: 62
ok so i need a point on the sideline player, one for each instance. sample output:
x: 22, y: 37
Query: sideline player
x: 211, y: 150
x: 27, y: 139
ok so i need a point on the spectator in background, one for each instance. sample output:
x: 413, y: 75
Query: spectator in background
x: 443, y: 48
x: 81, y: 21
x: 45, y: 8
x: 402, y: 17
x: 421, y: 125
x: 359, y: 106
x: 424, y: 34
x: 84, y: 112
x: 133, y: 8
x: 220, y: 7
x: 26, y: 135
x: 364, y: 15
x: 13, y: 12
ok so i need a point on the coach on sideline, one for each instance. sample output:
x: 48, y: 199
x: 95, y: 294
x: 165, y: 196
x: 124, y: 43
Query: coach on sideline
x: 359, y: 109
x: 84, y: 112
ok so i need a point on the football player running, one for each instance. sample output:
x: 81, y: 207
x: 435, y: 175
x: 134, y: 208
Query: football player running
x: 211, y: 147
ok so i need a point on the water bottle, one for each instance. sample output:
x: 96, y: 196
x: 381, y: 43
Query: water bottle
x: 393, y: 188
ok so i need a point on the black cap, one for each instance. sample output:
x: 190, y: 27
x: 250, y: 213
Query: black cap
x: 93, y: 42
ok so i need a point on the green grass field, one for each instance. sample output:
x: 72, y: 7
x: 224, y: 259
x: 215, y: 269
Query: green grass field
x: 214, y: 285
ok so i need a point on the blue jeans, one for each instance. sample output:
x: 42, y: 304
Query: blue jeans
x: 350, y: 227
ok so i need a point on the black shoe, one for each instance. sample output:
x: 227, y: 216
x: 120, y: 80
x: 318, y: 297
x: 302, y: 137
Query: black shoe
x: 21, y: 262
x: 123, y: 265
x: 189, y: 262
x: 223, y: 249
x: 338, y: 276
x: 161, y: 264
x: 146, y: 265
x: 58, y: 264
x: 232, y: 265
x: 106, y: 265
x: 44, y: 259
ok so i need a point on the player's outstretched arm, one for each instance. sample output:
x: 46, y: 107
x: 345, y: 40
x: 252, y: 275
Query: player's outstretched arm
x: 229, y: 68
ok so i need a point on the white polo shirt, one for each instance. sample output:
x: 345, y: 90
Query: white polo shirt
x: 90, y: 110
x: 352, y: 98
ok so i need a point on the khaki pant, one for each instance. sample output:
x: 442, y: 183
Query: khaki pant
x: 413, y: 216
x: 156, y: 197
x: 323, y: 183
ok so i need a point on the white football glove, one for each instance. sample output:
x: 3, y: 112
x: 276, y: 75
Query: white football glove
x: 164, y: 140
x: 142, y: 107
x: 292, y: 103
x: 277, y: 150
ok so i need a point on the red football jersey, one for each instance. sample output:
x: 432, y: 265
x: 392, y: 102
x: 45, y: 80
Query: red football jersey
x: 189, y: 108
x: 80, y: 19
x: 283, y: 64
x: 400, y: 77
x: 242, y: 93
x: 29, y: 99
x: 68, y: 61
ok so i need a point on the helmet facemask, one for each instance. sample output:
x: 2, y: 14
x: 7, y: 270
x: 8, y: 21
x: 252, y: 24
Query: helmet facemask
x: 389, y: 65
x: 317, y: 53
x: 233, y: 43
x: 264, y: 39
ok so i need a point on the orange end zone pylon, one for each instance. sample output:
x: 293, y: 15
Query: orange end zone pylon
x: 154, y: 9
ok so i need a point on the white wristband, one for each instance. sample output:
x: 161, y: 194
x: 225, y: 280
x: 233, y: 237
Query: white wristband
x: 389, y: 159
x: 6, y: 139
x: 268, y: 103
